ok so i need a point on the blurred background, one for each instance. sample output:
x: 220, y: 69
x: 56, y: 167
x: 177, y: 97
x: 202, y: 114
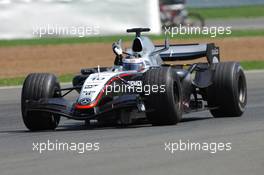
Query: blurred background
x: 63, y: 36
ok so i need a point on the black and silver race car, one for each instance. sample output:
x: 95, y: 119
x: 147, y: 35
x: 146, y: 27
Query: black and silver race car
x: 140, y: 80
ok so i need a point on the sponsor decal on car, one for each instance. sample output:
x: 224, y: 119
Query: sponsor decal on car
x: 85, y: 101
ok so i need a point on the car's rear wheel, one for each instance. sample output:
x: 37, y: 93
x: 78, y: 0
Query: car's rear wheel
x: 35, y: 87
x: 163, y: 107
x: 227, y: 96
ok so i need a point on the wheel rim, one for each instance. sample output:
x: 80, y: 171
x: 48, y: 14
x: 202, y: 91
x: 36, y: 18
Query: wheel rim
x: 56, y: 118
x: 241, y: 90
x: 176, y: 94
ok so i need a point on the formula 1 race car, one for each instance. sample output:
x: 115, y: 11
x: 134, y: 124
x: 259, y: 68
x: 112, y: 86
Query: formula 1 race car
x: 139, y: 80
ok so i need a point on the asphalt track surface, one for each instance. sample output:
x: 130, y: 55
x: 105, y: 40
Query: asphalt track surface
x: 243, y: 23
x: 137, y: 149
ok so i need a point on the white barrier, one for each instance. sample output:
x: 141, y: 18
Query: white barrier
x: 30, y: 18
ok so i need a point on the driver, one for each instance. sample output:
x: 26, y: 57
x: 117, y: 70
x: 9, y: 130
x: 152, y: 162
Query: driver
x: 133, y: 63
x: 130, y: 62
x: 117, y: 49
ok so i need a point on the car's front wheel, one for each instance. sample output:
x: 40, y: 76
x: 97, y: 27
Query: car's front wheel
x: 163, y: 107
x: 35, y: 87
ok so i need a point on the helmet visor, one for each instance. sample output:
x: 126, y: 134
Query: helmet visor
x: 133, y: 66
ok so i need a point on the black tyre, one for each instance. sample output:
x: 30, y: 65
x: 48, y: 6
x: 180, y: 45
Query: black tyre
x: 228, y: 94
x: 35, y: 87
x: 163, y: 108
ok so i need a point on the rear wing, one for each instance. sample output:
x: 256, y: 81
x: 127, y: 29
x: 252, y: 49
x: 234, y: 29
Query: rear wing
x: 181, y: 52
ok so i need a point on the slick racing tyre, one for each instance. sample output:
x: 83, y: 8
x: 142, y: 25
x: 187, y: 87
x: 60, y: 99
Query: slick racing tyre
x: 163, y: 108
x: 228, y: 94
x: 35, y: 87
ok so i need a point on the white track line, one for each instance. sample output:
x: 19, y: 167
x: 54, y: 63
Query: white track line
x: 254, y: 71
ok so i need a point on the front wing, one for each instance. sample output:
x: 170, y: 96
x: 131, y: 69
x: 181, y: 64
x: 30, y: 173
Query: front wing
x: 65, y: 108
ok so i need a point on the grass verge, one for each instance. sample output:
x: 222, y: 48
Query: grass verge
x: 16, y: 81
x: 230, y: 12
x: 110, y: 39
x: 252, y: 65
x: 247, y: 65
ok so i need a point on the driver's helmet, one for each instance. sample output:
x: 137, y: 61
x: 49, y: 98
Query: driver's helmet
x: 133, y: 63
